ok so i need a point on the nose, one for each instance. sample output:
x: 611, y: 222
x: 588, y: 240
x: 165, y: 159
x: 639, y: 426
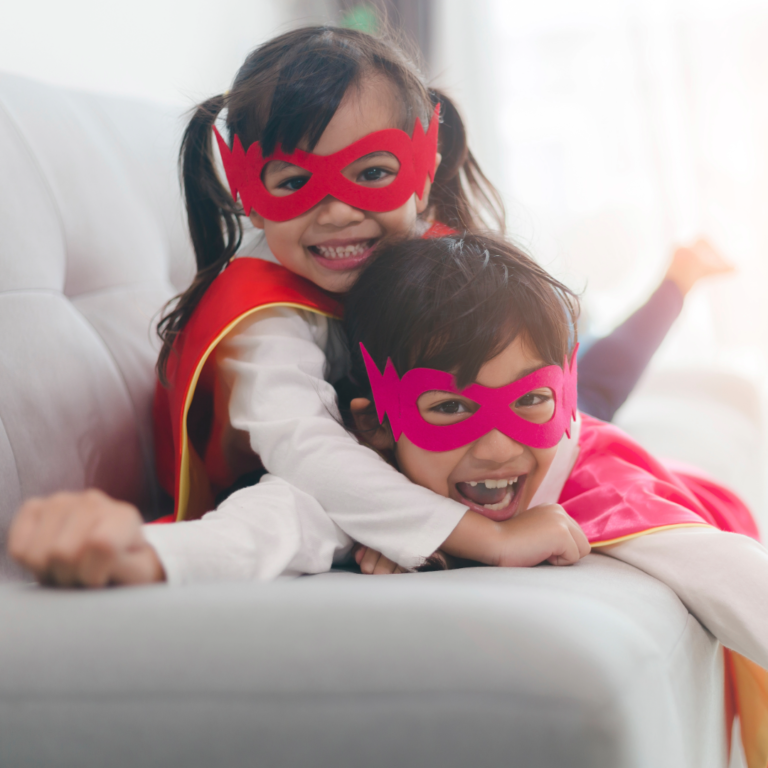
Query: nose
x: 336, y: 213
x: 495, y: 447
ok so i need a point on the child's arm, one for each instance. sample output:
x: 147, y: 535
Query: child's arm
x: 546, y: 533
x: 612, y: 366
x: 274, y: 367
x: 257, y: 534
x: 721, y: 578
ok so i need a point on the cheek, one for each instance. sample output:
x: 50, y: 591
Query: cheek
x: 284, y: 237
x: 399, y: 222
x: 544, y: 458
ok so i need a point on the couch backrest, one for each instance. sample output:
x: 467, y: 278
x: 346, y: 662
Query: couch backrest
x: 92, y: 244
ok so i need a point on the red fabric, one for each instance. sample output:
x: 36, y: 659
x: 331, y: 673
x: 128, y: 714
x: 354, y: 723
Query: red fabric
x: 438, y: 229
x: 618, y: 489
x: 244, y: 285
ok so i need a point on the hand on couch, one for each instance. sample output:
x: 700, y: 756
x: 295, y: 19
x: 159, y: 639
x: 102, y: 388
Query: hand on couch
x: 84, y: 539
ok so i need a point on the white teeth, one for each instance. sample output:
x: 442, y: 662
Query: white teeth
x: 502, y: 483
x: 503, y: 503
x: 342, y: 252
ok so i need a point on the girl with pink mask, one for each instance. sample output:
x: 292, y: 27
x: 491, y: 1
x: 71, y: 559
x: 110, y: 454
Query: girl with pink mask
x: 467, y: 384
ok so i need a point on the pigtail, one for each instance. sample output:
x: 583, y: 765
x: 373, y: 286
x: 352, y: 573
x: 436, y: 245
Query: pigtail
x: 462, y: 196
x: 214, y: 222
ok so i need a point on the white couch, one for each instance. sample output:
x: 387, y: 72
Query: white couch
x: 591, y: 666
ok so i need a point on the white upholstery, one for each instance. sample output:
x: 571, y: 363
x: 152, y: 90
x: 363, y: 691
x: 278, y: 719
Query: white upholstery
x: 92, y: 243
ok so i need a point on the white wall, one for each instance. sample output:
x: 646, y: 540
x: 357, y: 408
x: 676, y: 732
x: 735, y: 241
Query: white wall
x: 178, y: 51
x: 617, y: 128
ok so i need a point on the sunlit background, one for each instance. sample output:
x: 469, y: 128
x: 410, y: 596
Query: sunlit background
x: 614, y: 128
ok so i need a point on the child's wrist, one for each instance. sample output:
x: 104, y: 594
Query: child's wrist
x: 475, y: 538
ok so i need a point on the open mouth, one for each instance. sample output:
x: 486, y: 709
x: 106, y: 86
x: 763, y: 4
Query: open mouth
x: 496, y: 499
x: 342, y: 255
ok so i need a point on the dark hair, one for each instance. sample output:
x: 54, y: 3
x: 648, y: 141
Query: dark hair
x: 287, y: 91
x: 453, y: 303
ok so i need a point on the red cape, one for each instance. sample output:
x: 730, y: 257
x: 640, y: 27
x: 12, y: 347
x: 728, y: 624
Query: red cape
x: 189, y: 462
x: 188, y: 456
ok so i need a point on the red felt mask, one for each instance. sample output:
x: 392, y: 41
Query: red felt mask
x: 416, y: 155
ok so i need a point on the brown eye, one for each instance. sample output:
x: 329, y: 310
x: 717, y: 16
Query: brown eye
x: 537, y: 407
x: 374, y: 174
x: 451, y: 406
x: 293, y: 184
x: 531, y: 399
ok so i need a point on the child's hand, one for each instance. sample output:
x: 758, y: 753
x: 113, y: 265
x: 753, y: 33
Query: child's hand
x: 83, y: 539
x: 691, y: 263
x: 373, y: 562
x: 546, y: 533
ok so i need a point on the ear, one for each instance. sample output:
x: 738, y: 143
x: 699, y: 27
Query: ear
x: 423, y: 203
x: 370, y: 431
x: 256, y: 220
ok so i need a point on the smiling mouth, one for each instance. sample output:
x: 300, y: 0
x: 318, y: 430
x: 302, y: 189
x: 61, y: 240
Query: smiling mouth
x: 496, y: 499
x: 346, y: 251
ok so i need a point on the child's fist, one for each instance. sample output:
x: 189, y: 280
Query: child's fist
x: 546, y: 533
x: 83, y: 539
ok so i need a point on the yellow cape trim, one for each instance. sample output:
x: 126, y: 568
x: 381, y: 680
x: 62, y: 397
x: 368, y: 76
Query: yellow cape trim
x: 184, y: 471
x: 650, y: 530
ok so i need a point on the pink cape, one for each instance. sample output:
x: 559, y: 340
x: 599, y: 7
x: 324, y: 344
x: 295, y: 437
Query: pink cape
x: 617, y: 490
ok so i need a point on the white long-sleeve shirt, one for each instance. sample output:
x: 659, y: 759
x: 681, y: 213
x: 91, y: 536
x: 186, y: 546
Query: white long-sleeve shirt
x: 274, y: 369
x: 264, y: 532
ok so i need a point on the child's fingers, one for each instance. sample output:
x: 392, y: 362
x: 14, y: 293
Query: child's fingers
x: 97, y: 561
x: 73, y: 544
x: 568, y: 553
x: 582, y: 542
x: 112, y: 547
x: 373, y: 562
x: 50, y: 518
x: 22, y: 530
x: 580, y: 538
x: 369, y: 559
x: 384, y: 566
x: 360, y: 550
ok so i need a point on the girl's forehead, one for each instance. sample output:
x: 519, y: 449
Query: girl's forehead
x: 516, y: 360
x: 368, y: 107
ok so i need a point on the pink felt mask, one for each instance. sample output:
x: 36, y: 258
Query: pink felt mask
x: 416, y: 155
x: 398, y: 399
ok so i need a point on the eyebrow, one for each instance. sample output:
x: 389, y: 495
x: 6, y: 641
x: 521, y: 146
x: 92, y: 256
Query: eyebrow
x: 275, y: 166
x: 378, y: 153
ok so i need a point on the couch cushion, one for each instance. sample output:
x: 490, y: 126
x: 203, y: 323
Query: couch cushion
x: 594, y: 665
x: 92, y: 244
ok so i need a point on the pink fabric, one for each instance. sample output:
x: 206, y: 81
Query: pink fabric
x: 416, y: 155
x: 398, y: 398
x: 618, y: 489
